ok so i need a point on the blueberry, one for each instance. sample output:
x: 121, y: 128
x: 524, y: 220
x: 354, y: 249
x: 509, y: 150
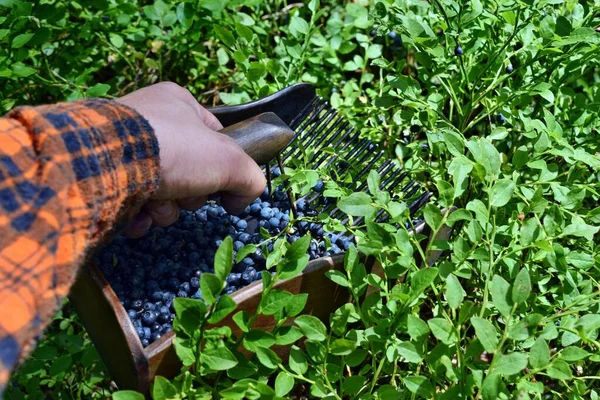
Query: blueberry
x: 157, y: 295
x: 249, y: 275
x: 245, y: 237
x: 241, y: 224
x: 195, y: 282
x: 185, y: 286
x: 333, y: 90
x: 373, y: 32
x: 140, y: 332
x: 266, y: 213
x: 182, y: 293
x: 165, y: 328
x: 148, y: 318
x: 319, y: 186
x: 255, y: 210
x: 155, y: 336
x: 137, y: 305
x: 509, y: 69
x: 458, y: 51
x: 274, y: 222
x: 132, y: 314
x: 145, y: 342
x: 149, y: 306
x: 500, y: 119
x: 147, y: 332
x: 392, y: 35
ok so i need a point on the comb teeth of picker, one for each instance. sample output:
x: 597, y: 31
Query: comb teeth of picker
x: 337, y: 146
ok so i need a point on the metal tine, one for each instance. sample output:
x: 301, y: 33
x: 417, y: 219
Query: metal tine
x: 393, y: 180
x: 330, y: 135
x: 414, y: 190
x: 312, y: 116
x: 366, y: 169
x: 340, y: 137
x: 303, y: 132
x: 382, y: 170
x: 419, y: 202
x: 319, y: 130
x: 305, y: 111
x: 336, y: 156
x: 350, y: 158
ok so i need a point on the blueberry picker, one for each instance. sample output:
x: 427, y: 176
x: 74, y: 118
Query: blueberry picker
x: 125, y: 297
x: 284, y: 125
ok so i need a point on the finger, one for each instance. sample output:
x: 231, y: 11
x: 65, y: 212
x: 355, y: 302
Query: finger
x: 163, y: 212
x: 243, y: 183
x: 139, y: 225
x: 209, y: 119
x: 192, y: 203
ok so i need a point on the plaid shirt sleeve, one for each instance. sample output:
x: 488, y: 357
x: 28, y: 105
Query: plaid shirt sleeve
x: 66, y: 171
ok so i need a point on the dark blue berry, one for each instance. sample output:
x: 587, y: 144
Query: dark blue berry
x: 509, y: 69
x: 373, y: 32
x: 148, y: 318
x: 500, y: 119
x: 319, y: 186
x: 458, y: 51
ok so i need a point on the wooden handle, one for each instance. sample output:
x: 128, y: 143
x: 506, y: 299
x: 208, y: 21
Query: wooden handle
x: 262, y: 137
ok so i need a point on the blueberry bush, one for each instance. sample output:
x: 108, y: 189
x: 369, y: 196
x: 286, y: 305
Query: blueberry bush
x: 490, y: 105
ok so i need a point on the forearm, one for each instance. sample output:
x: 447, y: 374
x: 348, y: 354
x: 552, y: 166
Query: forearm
x: 68, y: 172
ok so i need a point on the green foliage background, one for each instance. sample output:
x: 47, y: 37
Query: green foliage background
x: 513, y: 309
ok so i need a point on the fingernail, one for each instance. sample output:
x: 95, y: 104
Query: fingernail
x: 139, y: 225
x: 163, y: 208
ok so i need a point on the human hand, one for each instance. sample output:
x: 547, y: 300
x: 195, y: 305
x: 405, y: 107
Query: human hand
x: 196, y: 160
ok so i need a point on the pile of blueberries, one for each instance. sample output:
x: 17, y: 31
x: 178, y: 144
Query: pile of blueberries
x: 148, y: 273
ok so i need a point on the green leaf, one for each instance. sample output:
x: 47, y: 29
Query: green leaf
x: 298, y: 249
x: 573, y: 353
x: 288, y: 335
x: 539, y: 354
x: 409, y: 352
x: 417, y: 328
x: 338, y: 277
x: 373, y: 182
x: 442, y: 330
x: 312, y: 327
x: 522, y: 287
x: 218, y: 359
x: 433, y: 216
x: 491, y: 386
x: 116, y: 40
x: 210, y: 287
x: 224, y: 36
x: 184, y: 351
x: 559, y: 370
x: 21, y: 40
x: 163, y: 389
x: 297, y: 360
x: 454, y: 292
x: 296, y: 304
x: 241, y: 319
x: 460, y: 168
x: 298, y: 26
x: 419, y: 385
x: 246, y: 250
x: 454, y: 142
x: 486, y: 333
x: 284, y: 383
x: 267, y: 357
x: 224, y: 307
x: 502, y: 192
x: 485, y: 153
x: 510, y: 364
x: 276, y: 301
x: 256, y: 338
x: 224, y: 259
x: 445, y: 193
x: 356, y: 205
x: 189, y: 314
x: 127, y: 395
x: 420, y: 281
x: 342, y: 347
x: 98, y: 90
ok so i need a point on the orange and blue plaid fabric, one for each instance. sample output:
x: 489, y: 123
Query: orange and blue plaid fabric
x: 68, y: 173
